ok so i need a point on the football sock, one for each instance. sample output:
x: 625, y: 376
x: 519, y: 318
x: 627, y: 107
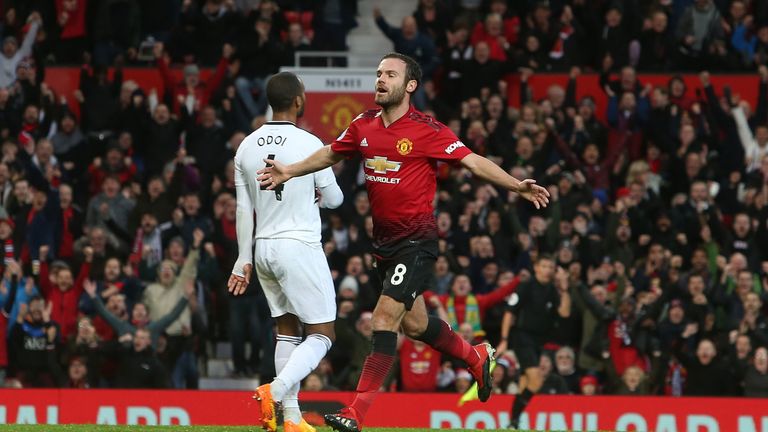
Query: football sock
x: 441, y: 337
x: 521, y: 401
x: 303, y: 360
x: 375, y: 371
x: 285, y: 346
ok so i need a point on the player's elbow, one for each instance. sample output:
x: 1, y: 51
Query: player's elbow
x: 332, y: 197
x: 471, y: 162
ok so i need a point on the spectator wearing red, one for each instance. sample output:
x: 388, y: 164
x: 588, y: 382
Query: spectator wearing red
x: 116, y: 306
x: 32, y: 129
x: 679, y: 95
x: 72, y: 39
x: 72, y: 220
x: 621, y: 346
x: 192, y: 91
x: 6, y: 238
x: 492, y: 32
x: 114, y: 282
x: 419, y: 366
x: 114, y: 164
x: 627, y: 116
x: 462, y: 306
x: 63, y: 291
x: 597, y: 171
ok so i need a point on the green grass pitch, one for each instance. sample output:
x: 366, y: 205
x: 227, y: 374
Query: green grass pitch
x: 92, y: 428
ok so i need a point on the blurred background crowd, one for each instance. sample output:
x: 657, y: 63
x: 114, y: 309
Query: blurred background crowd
x: 118, y: 218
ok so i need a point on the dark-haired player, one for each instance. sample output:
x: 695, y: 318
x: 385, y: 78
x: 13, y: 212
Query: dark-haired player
x: 400, y: 148
x: 288, y: 257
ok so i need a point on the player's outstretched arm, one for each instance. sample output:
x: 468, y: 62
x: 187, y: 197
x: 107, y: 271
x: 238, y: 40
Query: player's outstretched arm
x: 492, y: 173
x: 277, y: 173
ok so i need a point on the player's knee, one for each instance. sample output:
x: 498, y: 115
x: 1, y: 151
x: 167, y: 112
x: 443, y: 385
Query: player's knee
x: 412, y: 329
x: 535, y: 379
x: 327, y: 330
x: 412, y: 333
x: 288, y: 325
x: 329, y: 333
x: 384, y: 322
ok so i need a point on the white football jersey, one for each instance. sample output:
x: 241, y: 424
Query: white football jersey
x: 289, y: 211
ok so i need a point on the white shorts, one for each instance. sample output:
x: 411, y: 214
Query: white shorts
x: 295, y: 278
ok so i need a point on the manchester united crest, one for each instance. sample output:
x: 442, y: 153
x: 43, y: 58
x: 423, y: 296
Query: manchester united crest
x: 404, y: 146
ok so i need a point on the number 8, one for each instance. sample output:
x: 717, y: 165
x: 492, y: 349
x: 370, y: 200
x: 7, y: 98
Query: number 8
x: 398, y: 276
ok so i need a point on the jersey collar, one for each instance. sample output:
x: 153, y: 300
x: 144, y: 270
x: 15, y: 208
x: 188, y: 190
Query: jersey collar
x: 407, y: 114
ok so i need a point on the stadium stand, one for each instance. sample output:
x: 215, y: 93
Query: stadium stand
x: 659, y: 188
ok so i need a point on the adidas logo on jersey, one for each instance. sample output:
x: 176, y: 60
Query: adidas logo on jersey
x: 364, y: 143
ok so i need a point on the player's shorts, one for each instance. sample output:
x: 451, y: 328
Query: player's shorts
x: 527, y: 348
x: 295, y: 278
x: 408, y: 271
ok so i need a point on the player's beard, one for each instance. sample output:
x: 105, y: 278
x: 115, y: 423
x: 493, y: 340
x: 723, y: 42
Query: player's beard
x: 393, y: 97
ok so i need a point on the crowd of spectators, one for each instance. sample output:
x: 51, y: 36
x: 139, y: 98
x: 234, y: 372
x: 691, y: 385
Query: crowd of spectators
x: 118, y: 219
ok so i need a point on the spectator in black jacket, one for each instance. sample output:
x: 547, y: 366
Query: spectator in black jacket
x: 98, y: 97
x: 33, y: 345
x: 706, y: 374
x: 481, y: 74
x: 206, y: 142
x: 614, y: 44
x: 161, y: 142
x: 756, y: 379
x: 214, y: 24
x: 139, y: 365
x: 656, y: 47
x: 260, y: 54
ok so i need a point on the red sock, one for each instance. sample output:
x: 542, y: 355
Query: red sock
x: 375, y: 370
x: 441, y: 337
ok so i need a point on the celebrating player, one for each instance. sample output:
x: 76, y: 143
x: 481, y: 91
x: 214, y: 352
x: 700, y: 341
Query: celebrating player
x: 289, y: 259
x: 400, y: 148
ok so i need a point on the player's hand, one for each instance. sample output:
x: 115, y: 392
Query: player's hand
x: 534, y: 193
x: 238, y: 284
x: 273, y: 175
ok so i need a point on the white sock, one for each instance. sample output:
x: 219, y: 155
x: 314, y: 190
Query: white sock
x: 285, y: 346
x: 304, y: 359
x: 291, y: 410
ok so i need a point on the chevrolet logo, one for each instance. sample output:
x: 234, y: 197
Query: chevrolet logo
x: 380, y: 165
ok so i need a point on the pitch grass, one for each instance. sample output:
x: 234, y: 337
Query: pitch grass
x: 94, y: 428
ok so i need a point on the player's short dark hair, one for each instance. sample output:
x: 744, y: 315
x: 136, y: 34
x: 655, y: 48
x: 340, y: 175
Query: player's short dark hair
x: 412, y: 68
x: 282, y: 90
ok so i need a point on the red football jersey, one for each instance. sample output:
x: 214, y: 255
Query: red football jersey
x: 400, y: 163
x: 419, y: 367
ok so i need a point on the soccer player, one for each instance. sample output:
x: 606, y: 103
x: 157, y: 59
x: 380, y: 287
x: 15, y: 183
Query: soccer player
x: 289, y: 258
x: 400, y: 148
